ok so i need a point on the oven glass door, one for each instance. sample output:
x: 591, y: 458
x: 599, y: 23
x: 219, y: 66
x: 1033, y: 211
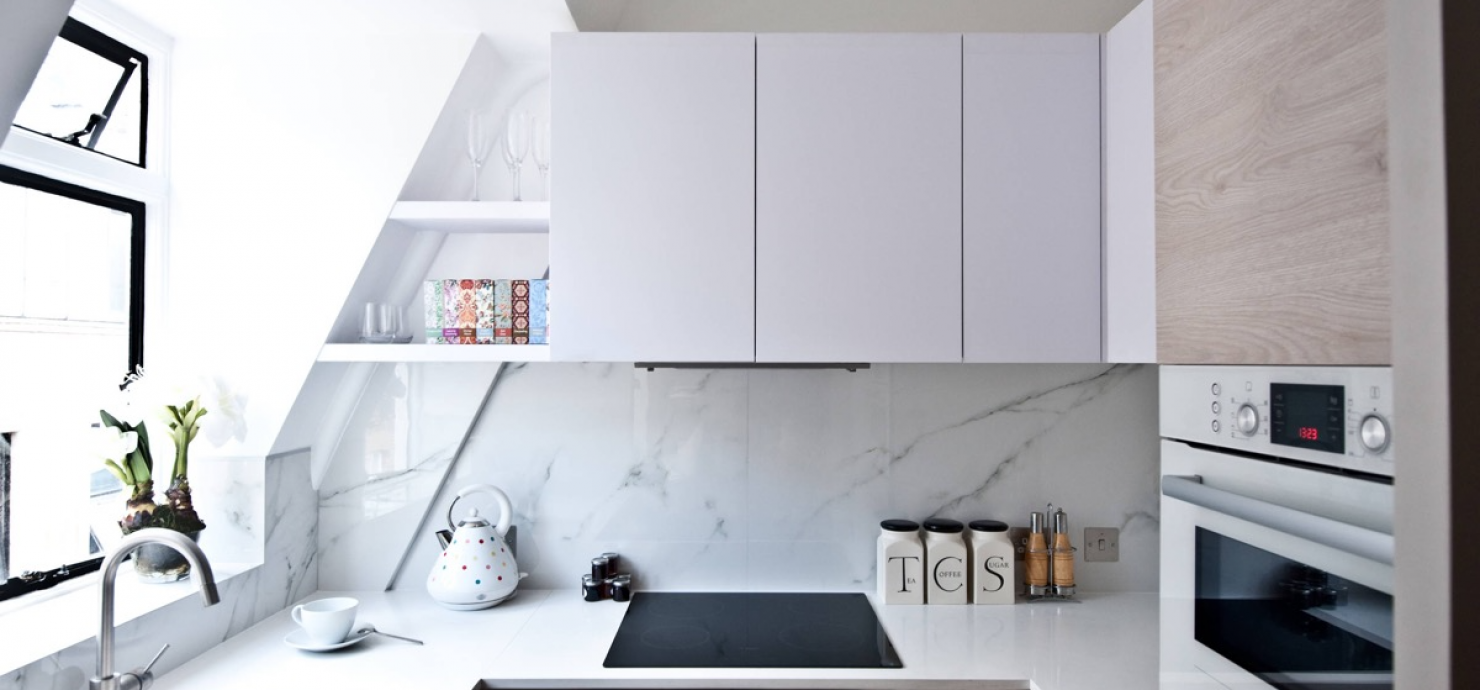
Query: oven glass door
x: 1289, y: 624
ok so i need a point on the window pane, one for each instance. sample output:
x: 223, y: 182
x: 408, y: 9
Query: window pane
x: 64, y: 311
x: 74, y: 84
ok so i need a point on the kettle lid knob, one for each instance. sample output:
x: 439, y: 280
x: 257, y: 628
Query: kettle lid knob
x: 473, y: 520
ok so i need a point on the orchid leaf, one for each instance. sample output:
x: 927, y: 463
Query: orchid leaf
x: 112, y: 421
x: 139, y: 467
x: 122, y: 474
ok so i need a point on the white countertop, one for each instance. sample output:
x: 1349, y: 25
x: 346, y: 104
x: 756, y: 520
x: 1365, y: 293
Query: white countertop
x: 554, y: 639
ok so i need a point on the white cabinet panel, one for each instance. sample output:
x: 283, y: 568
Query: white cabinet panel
x: 1031, y: 242
x: 858, y: 198
x: 652, y: 227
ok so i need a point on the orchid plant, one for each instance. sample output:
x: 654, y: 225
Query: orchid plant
x: 179, y: 409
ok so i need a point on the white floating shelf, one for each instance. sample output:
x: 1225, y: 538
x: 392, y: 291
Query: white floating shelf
x: 419, y: 352
x: 526, y: 217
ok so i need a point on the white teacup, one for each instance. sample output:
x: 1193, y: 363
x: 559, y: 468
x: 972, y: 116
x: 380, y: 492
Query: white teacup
x: 327, y: 621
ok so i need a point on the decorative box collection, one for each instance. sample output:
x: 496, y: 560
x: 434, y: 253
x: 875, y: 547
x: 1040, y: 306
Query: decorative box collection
x: 484, y: 311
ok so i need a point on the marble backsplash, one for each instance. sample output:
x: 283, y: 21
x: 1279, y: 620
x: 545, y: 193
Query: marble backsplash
x: 739, y: 479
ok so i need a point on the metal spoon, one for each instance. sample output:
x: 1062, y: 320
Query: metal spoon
x: 367, y: 628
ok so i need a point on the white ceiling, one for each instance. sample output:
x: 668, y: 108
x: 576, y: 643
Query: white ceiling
x: 1093, y: 16
x: 519, y: 29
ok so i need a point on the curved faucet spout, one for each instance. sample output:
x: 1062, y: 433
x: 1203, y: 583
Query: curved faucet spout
x: 199, y: 567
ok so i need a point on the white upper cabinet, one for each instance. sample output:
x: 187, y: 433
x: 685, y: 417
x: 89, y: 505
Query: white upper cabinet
x: 652, y: 228
x: 858, y: 197
x: 1031, y: 237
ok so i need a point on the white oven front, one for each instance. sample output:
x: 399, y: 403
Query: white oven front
x: 1273, y: 574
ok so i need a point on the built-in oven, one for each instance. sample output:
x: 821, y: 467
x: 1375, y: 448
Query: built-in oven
x: 1276, y: 527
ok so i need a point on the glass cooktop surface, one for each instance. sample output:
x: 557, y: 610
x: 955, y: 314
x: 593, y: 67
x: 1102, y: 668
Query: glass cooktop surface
x: 750, y: 630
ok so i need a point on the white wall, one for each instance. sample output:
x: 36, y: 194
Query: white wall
x: 289, y: 150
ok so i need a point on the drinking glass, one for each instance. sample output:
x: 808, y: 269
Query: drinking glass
x: 515, y: 145
x: 541, y: 151
x: 389, y: 323
x: 482, y: 131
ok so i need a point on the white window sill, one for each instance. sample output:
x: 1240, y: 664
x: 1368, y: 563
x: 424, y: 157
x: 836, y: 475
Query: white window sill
x: 43, y: 623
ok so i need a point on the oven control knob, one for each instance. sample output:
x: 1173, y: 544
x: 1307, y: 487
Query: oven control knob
x: 1247, y: 420
x: 1375, y: 435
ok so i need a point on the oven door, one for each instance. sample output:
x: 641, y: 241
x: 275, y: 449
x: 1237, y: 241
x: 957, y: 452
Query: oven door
x: 1273, y: 576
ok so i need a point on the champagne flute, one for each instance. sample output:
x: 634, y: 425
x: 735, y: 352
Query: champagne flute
x: 480, y: 142
x: 541, y: 150
x: 515, y: 145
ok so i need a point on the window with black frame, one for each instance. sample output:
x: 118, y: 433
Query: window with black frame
x: 71, y: 325
x: 92, y: 92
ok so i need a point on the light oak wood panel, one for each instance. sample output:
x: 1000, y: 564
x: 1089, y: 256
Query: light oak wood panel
x: 1271, y: 182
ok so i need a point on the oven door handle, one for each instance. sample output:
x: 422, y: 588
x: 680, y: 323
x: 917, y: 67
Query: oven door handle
x: 1342, y: 536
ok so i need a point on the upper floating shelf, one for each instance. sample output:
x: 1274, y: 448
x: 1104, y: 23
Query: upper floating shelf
x: 515, y: 217
x: 420, y: 352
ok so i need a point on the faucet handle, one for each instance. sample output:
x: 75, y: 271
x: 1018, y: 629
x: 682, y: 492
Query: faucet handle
x: 142, y: 678
x: 155, y: 660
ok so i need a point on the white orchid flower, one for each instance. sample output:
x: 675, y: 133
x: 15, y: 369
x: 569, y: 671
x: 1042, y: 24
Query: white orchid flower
x: 227, y: 419
x: 111, y: 444
x: 131, y: 404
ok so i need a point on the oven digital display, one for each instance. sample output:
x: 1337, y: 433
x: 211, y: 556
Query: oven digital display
x: 1306, y: 416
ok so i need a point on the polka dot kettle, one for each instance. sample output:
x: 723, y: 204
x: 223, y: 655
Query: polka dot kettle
x: 475, y: 570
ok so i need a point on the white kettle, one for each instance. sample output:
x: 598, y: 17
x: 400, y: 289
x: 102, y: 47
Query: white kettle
x: 476, y: 569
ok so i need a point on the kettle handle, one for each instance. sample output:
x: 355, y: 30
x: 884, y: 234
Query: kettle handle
x: 505, y: 508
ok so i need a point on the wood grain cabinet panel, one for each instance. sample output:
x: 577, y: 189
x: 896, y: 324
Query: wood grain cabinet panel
x: 1271, y: 182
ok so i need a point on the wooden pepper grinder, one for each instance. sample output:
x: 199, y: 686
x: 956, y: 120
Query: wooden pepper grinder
x: 1063, y: 556
x: 1037, y: 558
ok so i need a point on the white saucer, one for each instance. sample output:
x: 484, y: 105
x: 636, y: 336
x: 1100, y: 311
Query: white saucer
x: 299, y: 639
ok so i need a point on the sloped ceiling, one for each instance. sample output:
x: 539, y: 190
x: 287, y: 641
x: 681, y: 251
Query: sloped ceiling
x: 1091, y: 16
x: 27, y: 28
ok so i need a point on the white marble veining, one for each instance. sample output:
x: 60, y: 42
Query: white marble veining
x: 751, y: 479
x: 285, y: 512
x: 230, y: 494
x: 388, y: 463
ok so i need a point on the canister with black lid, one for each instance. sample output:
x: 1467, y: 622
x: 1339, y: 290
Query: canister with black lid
x: 945, y: 562
x: 901, y: 563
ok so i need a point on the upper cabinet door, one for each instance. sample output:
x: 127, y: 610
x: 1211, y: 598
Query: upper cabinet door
x: 1272, y: 238
x: 1031, y: 239
x: 858, y: 198
x: 652, y: 224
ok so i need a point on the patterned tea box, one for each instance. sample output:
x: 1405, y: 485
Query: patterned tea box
x: 520, y: 302
x: 485, y: 312
x: 467, y: 311
x: 539, y: 312
x: 449, y: 311
x: 433, y: 302
x: 503, y: 308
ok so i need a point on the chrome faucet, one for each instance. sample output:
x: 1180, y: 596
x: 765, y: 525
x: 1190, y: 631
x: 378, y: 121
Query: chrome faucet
x: 141, y: 678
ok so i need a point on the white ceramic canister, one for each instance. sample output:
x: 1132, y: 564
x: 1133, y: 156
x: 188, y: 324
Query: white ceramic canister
x: 945, y: 562
x: 901, y: 563
x: 993, y: 580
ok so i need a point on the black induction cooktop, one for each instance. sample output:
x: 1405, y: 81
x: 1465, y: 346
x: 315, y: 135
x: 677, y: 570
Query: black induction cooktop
x: 750, y: 630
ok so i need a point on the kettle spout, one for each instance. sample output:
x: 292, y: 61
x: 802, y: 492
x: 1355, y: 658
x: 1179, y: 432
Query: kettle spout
x: 444, y: 537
